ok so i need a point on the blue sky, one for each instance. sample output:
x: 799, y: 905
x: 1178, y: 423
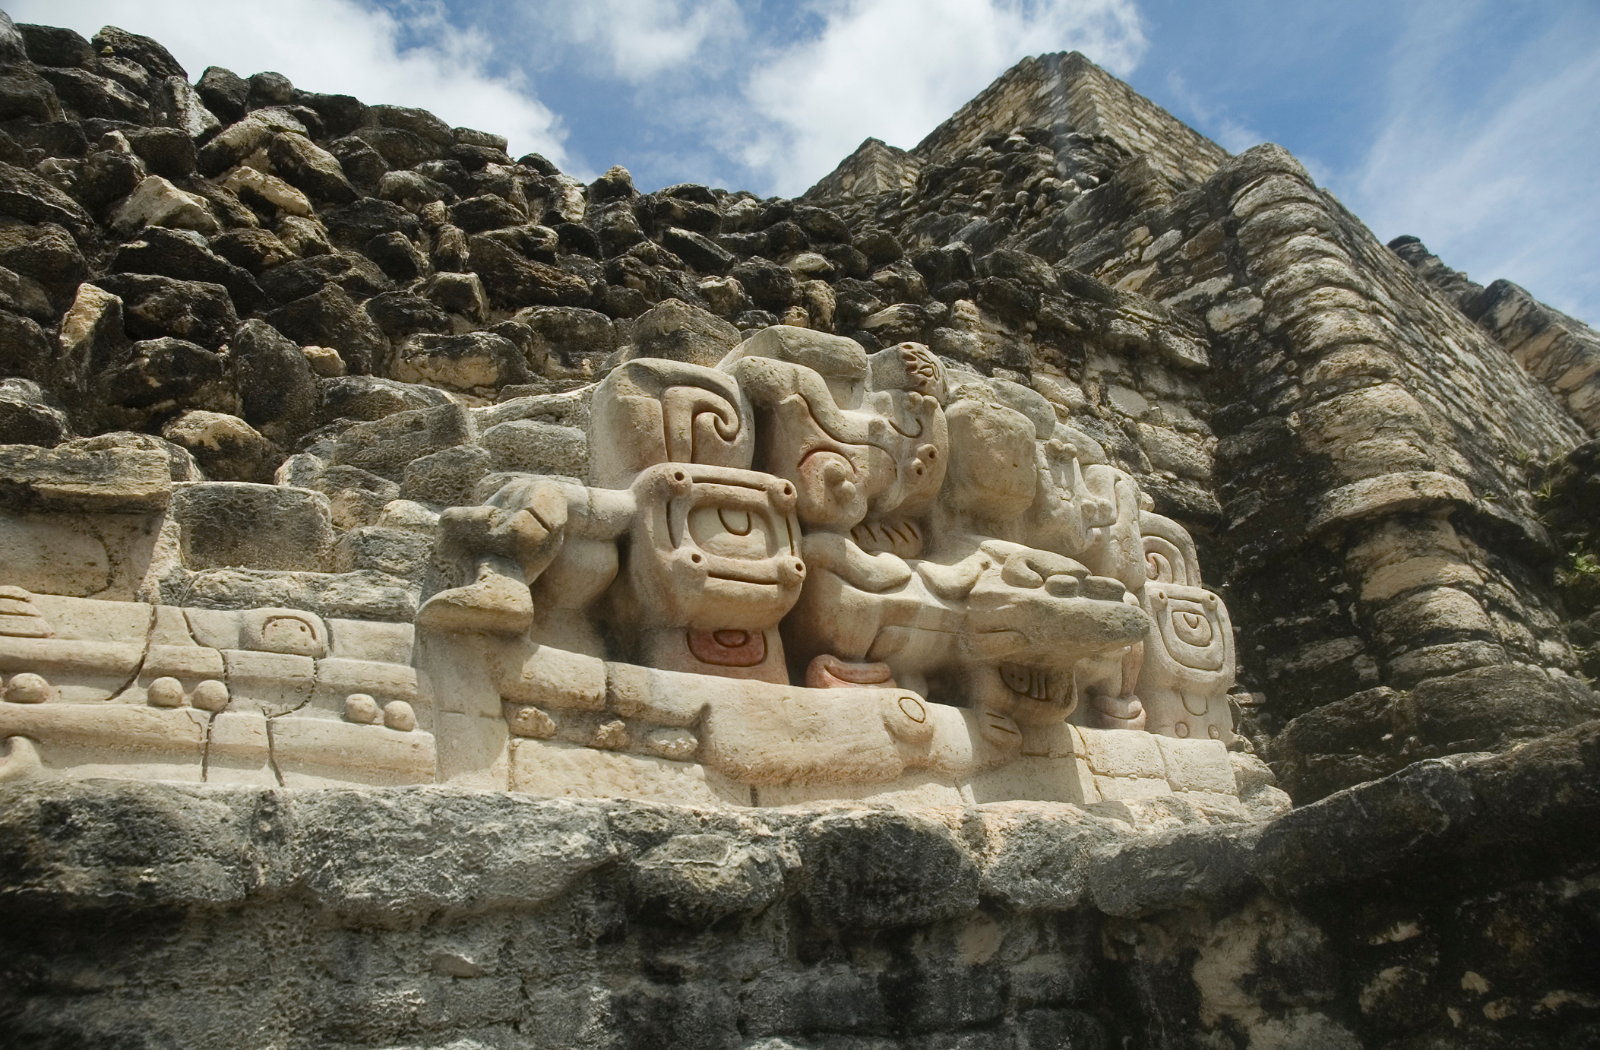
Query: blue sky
x: 1471, y: 124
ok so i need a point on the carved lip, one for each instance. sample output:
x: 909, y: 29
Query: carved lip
x: 728, y: 648
x: 767, y: 571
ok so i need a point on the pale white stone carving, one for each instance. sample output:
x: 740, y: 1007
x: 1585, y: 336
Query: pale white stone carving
x: 131, y: 689
x: 812, y: 566
x: 808, y: 573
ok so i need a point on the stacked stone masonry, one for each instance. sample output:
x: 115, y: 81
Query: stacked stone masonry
x: 447, y: 603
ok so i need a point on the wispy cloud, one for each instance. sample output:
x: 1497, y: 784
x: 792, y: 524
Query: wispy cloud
x: 416, y: 56
x: 1498, y: 181
x: 895, y: 69
x: 645, y: 38
x: 1212, y: 120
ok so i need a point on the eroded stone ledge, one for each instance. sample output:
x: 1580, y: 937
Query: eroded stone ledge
x: 439, y: 917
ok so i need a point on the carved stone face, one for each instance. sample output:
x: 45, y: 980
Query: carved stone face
x: 807, y: 440
x: 993, y: 465
x: 908, y: 453
x: 907, y: 366
x: 1192, y: 628
x: 714, y: 548
x: 1115, y: 548
x: 288, y: 634
x: 1169, y: 554
x: 1064, y: 510
x: 1069, y: 615
x: 1188, y: 662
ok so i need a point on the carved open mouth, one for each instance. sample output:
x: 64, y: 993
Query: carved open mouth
x: 1036, y: 683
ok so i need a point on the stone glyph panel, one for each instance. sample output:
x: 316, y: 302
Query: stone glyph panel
x: 808, y: 573
x: 160, y: 692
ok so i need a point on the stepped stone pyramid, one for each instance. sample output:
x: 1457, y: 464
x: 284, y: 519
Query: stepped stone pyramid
x: 1064, y: 92
x: 448, y: 604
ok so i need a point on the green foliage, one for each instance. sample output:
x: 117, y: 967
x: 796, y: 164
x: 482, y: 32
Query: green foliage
x: 1580, y: 577
x: 1582, y: 563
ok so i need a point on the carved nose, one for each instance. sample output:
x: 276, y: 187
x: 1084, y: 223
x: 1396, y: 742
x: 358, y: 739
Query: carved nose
x: 1062, y: 586
x: 1103, y: 588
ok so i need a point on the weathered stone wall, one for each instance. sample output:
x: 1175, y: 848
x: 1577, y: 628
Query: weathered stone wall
x: 1563, y: 352
x: 875, y: 167
x: 1381, y: 538
x: 1569, y: 495
x: 149, y: 915
x: 1065, y: 87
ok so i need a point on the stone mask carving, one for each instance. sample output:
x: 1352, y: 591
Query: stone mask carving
x: 807, y: 573
x: 807, y: 544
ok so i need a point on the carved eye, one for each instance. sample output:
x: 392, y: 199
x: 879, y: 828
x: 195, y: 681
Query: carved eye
x: 1192, y: 628
x: 729, y: 532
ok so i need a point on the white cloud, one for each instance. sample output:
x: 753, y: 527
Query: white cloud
x: 895, y: 69
x: 646, y: 38
x: 1502, y: 186
x: 333, y: 46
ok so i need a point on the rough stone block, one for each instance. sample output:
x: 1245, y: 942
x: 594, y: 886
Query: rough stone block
x: 473, y: 361
x: 1197, y: 765
x: 1401, y: 492
x: 1123, y: 789
x: 882, y: 870
x: 550, y: 768
x: 1038, y: 779
x: 53, y: 554
x: 365, y: 594
x: 356, y: 497
x: 368, y: 398
x: 271, y: 682
x: 697, y: 879
x: 256, y: 526
x: 397, y: 552
x: 33, y: 478
x: 386, y: 446
x: 226, y: 447
x: 1489, y: 708
x: 29, y: 416
x: 308, y: 751
x: 446, y: 478
x: 1122, y: 753
x: 680, y: 332
x: 529, y: 446
x: 366, y: 640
